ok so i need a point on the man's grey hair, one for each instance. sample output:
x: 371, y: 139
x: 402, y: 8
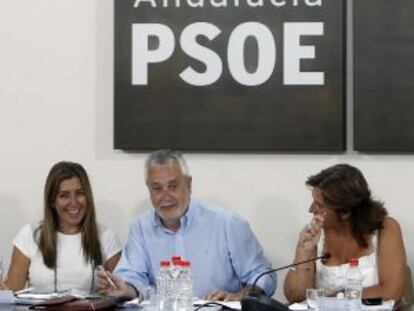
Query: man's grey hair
x: 162, y: 156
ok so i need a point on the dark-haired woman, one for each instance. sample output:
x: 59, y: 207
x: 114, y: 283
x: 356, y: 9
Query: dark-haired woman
x: 348, y: 223
x: 62, y: 251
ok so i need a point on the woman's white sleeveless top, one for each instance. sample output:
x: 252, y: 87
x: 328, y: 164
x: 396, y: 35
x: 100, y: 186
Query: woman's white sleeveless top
x: 332, y: 278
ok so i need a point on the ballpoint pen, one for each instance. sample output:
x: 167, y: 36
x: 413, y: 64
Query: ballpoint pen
x: 101, y: 268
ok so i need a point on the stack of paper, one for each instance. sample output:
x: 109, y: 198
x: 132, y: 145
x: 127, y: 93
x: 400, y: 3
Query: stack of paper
x: 30, y: 298
x: 386, y: 306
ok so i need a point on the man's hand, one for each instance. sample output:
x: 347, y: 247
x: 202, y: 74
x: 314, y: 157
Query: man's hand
x: 221, y: 295
x: 112, y: 285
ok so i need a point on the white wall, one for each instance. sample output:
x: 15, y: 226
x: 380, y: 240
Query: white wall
x: 56, y: 102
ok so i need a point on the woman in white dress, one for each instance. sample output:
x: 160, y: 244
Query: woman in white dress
x: 348, y: 223
x: 63, y: 251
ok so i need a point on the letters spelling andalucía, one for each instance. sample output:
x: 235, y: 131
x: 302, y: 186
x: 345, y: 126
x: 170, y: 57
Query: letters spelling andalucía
x: 226, y: 3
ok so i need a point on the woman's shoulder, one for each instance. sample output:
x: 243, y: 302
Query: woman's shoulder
x: 104, y: 230
x: 25, y: 240
x: 110, y: 242
x: 107, y: 234
x: 390, y: 223
x: 390, y: 229
x: 28, y: 229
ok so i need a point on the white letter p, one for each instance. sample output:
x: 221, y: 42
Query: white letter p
x: 142, y: 56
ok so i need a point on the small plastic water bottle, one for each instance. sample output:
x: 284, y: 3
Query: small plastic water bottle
x: 185, y: 294
x: 174, y: 286
x: 176, y: 266
x: 163, y: 281
x: 353, y: 286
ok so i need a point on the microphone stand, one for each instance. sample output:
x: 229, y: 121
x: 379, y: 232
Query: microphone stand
x: 261, y: 302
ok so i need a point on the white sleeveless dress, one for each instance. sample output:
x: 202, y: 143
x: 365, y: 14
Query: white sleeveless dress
x: 332, y: 278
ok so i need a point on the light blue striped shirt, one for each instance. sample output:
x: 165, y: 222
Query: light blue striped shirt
x: 222, y: 249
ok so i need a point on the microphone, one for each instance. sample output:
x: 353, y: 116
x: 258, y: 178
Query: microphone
x: 261, y: 302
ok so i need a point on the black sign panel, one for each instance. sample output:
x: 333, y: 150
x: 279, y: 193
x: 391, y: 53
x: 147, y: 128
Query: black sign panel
x: 384, y: 75
x: 229, y: 75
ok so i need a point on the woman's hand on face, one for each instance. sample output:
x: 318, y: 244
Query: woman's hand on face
x: 309, y: 236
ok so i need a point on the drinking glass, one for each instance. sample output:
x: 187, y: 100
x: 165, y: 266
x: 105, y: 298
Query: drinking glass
x: 3, y: 275
x: 150, y: 295
x: 314, y: 297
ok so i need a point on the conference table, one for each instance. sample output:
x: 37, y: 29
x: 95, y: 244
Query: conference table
x: 26, y: 308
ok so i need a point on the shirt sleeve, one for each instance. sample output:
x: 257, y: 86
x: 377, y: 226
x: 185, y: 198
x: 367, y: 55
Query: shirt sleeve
x: 25, y: 241
x: 110, y: 243
x: 134, y: 262
x: 247, y: 255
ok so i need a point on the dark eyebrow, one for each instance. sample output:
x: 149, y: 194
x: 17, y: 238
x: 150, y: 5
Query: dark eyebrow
x: 66, y: 191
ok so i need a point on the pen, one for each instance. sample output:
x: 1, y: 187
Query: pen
x: 23, y: 291
x: 107, y: 277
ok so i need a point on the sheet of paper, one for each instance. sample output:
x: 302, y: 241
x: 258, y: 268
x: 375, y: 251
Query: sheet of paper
x: 134, y: 303
x: 37, y: 296
x: 298, y: 306
x: 386, y: 305
x: 30, y: 298
x: 197, y: 302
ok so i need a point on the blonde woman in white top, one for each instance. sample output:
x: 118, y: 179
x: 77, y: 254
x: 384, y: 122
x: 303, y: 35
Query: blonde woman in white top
x: 64, y: 249
x: 348, y: 223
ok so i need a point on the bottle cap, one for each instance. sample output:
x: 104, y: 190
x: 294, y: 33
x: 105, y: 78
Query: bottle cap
x: 165, y: 263
x: 353, y: 262
x: 185, y: 264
